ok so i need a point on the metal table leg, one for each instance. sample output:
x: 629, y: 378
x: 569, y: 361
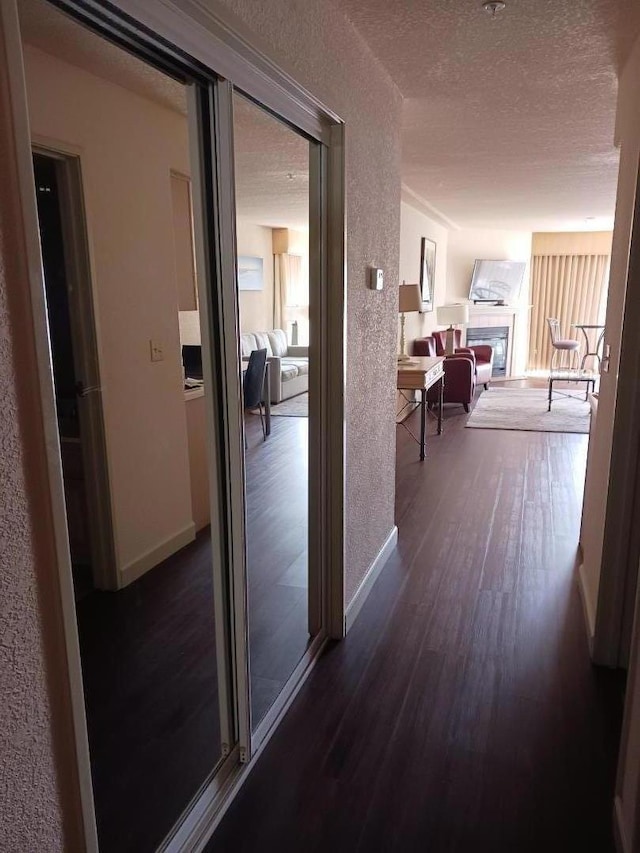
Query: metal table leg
x: 440, y: 404
x: 423, y: 421
x: 550, y: 393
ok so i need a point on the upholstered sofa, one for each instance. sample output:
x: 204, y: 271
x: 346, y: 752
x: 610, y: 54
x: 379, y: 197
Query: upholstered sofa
x: 288, y: 365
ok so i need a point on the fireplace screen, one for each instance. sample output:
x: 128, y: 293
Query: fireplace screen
x: 496, y: 337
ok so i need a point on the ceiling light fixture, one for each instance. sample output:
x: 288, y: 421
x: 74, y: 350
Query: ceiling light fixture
x: 493, y: 6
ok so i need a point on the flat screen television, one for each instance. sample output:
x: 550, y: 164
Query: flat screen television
x: 497, y: 281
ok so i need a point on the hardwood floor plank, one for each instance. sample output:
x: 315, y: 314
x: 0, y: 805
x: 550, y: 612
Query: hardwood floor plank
x: 462, y: 711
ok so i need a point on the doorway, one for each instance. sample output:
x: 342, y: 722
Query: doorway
x: 69, y: 298
x: 64, y: 371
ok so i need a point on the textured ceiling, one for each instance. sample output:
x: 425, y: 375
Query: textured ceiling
x: 272, y: 169
x: 508, y: 121
x: 267, y: 152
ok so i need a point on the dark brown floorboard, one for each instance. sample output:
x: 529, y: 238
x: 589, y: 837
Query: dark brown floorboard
x: 148, y: 652
x: 277, y: 565
x: 462, y: 712
x: 149, y: 670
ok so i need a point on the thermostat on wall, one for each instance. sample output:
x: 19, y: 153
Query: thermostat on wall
x: 376, y: 278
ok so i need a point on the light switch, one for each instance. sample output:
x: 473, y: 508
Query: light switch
x: 157, y: 353
x: 376, y: 278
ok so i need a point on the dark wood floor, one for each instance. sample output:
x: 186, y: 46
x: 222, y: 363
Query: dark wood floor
x: 149, y: 660
x: 462, y: 712
x: 277, y: 564
x: 151, y: 697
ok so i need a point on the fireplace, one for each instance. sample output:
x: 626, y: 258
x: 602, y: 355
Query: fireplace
x: 496, y: 337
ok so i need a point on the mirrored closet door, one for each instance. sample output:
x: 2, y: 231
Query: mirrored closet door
x: 272, y: 173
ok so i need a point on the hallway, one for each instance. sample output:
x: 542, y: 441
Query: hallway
x: 462, y: 712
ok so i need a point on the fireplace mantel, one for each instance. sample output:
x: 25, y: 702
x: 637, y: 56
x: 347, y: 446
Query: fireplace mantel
x: 516, y: 317
x: 498, y: 309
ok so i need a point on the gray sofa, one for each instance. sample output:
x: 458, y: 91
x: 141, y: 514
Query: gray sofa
x: 288, y: 365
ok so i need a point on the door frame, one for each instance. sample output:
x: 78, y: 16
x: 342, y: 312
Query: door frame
x: 184, y: 32
x: 621, y: 537
x: 78, y: 269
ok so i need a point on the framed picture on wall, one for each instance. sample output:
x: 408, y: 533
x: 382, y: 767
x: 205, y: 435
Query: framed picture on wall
x: 427, y: 273
x: 250, y: 275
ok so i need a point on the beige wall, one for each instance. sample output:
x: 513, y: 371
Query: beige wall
x: 413, y: 226
x: 596, y: 484
x: 128, y: 145
x: 469, y: 244
x: 256, y: 306
x: 571, y: 243
x: 320, y: 48
x: 628, y: 135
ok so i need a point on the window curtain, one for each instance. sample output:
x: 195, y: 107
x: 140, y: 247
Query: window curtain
x: 291, y: 296
x: 569, y: 287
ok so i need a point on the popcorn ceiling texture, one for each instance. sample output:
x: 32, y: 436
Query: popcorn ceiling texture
x: 30, y: 817
x: 317, y: 45
x: 508, y: 122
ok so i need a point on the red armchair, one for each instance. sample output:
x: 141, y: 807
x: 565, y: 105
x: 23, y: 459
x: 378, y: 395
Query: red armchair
x: 459, y: 374
x: 483, y: 355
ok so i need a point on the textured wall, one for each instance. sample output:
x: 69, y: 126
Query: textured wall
x: 30, y: 815
x: 29, y: 818
x: 313, y: 40
x: 326, y: 55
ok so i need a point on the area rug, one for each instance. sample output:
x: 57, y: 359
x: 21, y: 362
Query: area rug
x: 526, y: 409
x: 294, y: 407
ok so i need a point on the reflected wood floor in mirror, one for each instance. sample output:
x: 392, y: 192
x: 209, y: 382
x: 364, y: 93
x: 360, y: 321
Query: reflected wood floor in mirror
x: 148, y: 652
x: 277, y: 554
x: 462, y: 712
x: 149, y: 670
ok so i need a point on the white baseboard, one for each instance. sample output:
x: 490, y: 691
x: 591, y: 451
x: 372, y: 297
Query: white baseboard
x: 138, y: 567
x: 362, y: 593
x: 620, y: 836
x: 589, y: 615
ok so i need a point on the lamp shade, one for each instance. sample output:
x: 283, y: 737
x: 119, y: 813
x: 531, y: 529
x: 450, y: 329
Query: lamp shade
x: 453, y: 315
x: 410, y: 298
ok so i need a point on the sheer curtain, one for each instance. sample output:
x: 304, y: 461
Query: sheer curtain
x: 291, y: 296
x: 569, y: 287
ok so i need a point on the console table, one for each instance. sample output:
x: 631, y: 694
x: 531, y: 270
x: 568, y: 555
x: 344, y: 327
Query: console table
x: 420, y: 374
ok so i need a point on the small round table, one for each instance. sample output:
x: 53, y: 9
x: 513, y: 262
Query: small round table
x: 597, y: 330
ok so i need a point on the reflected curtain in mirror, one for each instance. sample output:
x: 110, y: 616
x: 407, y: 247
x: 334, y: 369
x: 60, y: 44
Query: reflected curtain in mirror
x: 291, y: 295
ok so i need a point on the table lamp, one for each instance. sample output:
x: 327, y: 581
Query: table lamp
x: 410, y: 299
x: 453, y: 315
